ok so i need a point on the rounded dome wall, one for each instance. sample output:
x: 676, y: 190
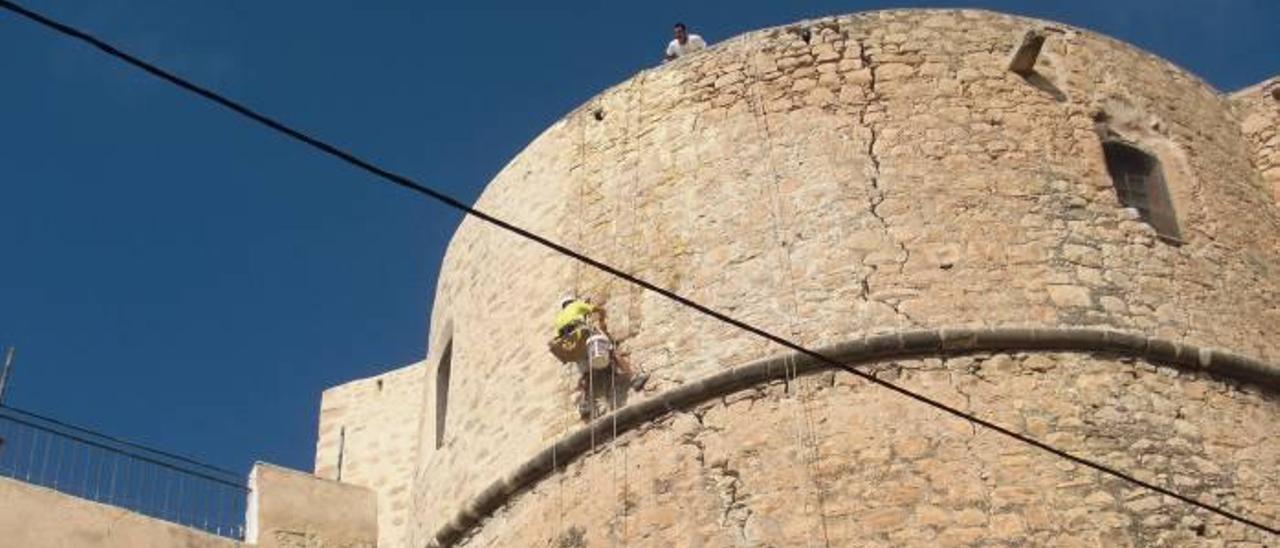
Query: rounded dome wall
x: 849, y: 176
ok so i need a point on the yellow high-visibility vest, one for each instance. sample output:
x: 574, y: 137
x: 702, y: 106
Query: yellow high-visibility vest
x: 576, y: 311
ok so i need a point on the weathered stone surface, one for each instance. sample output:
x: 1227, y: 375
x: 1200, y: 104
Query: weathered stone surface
x: 887, y: 173
x: 853, y: 465
x: 1069, y: 295
x: 372, y: 426
x: 290, y: 509
x: 1259, y: 108
x: 37, y: 517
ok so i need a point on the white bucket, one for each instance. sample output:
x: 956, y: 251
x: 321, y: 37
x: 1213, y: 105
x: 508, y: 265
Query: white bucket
x: 598, y: 348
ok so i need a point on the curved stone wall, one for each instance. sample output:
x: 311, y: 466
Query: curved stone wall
x: 886, y: 173
x: 828, y: 460
x: 1119, y: 348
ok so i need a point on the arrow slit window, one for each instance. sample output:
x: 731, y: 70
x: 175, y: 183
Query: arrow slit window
x: 442, y: 391
x: 1139, y: 184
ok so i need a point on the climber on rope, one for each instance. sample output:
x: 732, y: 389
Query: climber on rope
x: 582, y: 339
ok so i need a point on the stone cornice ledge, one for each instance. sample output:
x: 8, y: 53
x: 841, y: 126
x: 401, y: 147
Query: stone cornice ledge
x: 874, y: 348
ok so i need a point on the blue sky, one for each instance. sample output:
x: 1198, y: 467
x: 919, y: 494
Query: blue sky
x: 175, y: 275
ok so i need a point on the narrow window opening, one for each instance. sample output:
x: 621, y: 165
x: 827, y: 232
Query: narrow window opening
x: 442, y: 391
x: 1139, y: 184
x: 342, y: 447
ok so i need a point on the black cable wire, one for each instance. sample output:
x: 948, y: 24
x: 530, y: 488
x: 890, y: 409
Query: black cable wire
x: 126, y: 443
x: 452, y: 202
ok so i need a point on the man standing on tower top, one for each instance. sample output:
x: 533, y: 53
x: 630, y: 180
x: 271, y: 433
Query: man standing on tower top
x: 684, y: 43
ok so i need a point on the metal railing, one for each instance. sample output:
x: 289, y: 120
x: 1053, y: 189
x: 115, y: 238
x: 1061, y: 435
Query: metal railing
x: 94, y: 466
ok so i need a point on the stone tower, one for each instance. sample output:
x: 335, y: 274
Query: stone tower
x: 1042, y: 226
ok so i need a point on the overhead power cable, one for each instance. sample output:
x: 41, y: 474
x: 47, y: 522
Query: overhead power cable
x: 454, y: 203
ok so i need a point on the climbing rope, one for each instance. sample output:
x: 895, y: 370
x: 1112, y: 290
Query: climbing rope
x: 452, y: 202
x: 580, y: 199
x: 804, y: 422
x: 791, y: 374
x: 555, y: 469
x: 618, y: 515
x: 613, y: 449
x: 579, y: 243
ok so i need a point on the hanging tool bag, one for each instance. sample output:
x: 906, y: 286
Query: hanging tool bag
x: 571, y: 348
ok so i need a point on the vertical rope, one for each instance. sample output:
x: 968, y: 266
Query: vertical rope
x: 613, y: 451
x: 803, y: 419
x: 580, y: 202
x: 579, y: 241
x: 615, y: 223
x: 591, y: 412
x: 626, y: 488
x: 591, y: 404
x: 555, y: 469
x: 695, y: 175
x: 619, y: 515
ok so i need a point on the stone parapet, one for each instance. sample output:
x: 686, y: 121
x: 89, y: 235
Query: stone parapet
x: 36, y: 517
x: 291, y: 509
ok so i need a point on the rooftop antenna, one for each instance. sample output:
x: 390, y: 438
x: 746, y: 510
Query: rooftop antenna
x: 4, y: 372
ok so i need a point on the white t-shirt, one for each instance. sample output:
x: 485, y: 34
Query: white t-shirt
x: 694, y: 43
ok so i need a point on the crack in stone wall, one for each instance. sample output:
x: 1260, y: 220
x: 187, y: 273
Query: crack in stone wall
x: 718, y: 475
x: 989, y: 205
x: 877, y: 196
x: 920, y: 482
x: 733, y: 497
